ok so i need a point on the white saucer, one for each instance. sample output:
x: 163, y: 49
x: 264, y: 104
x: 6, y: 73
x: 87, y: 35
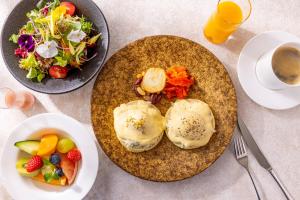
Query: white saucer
x: 252, y: 51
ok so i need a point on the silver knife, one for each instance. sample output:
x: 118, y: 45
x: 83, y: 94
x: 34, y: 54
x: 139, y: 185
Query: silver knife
x: 262, y: 160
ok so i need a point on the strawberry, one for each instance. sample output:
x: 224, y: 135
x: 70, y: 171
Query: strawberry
x: 58, y: 71
x: 74, y: 155
x: 34, y: 163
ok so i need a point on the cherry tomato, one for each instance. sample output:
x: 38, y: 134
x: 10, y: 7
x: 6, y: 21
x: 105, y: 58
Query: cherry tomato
x: 58, y: 71
x: 70, y: 7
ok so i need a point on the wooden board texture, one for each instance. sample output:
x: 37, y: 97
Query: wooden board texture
x: 165, y: 162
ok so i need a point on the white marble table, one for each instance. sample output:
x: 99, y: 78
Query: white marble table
x: 277, y: 132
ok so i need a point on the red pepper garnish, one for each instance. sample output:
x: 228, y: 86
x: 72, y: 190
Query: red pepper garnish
x: 178, y: 83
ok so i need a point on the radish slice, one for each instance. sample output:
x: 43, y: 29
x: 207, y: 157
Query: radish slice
x: 154, y: 80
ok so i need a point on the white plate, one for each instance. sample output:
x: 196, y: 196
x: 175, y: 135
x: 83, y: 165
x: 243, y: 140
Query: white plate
x: 252, y: 51
x: 24, y: 188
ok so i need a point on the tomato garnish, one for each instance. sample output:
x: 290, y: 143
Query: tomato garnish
x: 58, y: 71
x: 70, y: 7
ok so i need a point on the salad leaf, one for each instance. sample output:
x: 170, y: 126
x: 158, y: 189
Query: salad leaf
x: 40, y: 77
x: 71, y: 48
x: 78, y: 56
x: 54, y: 4
x: 75, y: 25
x: 29, y: 62
x: 29, y: 28
x: 32, y: 73
x: 80, y: 47
x: 14, y: 38
x: 41, y: 4
x: 61, y: 61
x: 79, y: 50
x: 43, y: 20
x: 33, y: 14
x: 94, y: 39
x: 72, y: 22
x: 86, y: 26
x: 35, y: 73
x: 43, y: 34
x: 55, y: 16
x: 74, y: 64
x: 64, y: 26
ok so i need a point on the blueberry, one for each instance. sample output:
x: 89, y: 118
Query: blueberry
x: 59, y: 172
x: 55, y: 159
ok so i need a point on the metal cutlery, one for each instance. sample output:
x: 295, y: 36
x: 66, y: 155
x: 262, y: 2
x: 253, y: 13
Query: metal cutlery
x: 260, y: 157
x: 242, y: 157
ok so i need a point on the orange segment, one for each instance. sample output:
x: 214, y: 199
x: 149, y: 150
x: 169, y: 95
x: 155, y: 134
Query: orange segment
x: 47, y: 145
x: 60, y: 181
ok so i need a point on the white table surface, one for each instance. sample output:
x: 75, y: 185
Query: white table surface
x: 277, y: 132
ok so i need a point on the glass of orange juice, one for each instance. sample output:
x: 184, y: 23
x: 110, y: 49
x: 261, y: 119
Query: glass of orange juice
x: 230, y: 14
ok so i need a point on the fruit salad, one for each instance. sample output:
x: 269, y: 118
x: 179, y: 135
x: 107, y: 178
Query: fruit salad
x: 51, y: 160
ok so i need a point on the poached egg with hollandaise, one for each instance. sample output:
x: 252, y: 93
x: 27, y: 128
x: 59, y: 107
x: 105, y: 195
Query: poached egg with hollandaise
x: 139, y: 125
x: 190, y: 123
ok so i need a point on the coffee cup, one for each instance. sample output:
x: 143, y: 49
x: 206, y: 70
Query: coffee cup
x: 280, y: 68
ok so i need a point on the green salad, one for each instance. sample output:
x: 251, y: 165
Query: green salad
x: 54, y: 40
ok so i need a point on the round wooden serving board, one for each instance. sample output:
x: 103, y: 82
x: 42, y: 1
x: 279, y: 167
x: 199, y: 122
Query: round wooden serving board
x: 165, y: 162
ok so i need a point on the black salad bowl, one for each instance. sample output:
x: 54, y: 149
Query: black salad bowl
x: 76, y: 78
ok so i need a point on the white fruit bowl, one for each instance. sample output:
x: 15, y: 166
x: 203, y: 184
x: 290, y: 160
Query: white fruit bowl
x: 25, y: 188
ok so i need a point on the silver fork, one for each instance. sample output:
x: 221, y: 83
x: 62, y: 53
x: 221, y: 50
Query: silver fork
x: 242, y: 157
